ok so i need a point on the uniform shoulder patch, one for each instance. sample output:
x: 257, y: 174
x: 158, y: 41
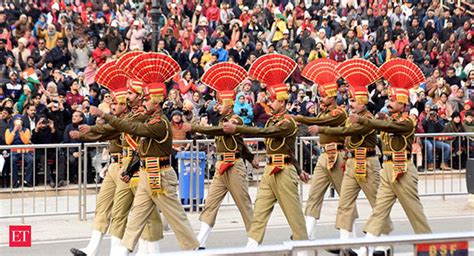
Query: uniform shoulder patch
x: 368, y: 115
x: 235, y: 119
x: 154, y: 120
x: 337, y: 111
x: 137, y: 113
x: 282, y: 122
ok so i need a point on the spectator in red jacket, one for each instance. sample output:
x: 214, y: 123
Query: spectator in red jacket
x: 338, y: 54
x: 212, y: 14
x: 74, y: 96
x: 101, y: 53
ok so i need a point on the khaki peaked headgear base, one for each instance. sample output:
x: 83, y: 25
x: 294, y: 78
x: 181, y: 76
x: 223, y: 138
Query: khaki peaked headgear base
x: 156, y: 91
x: 135, y: 86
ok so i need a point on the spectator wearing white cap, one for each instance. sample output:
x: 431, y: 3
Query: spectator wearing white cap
x: 21, y: 53
x: 136, y: 35
x: 321, y: 38
x: 51, y: 36
x: 195, y: 15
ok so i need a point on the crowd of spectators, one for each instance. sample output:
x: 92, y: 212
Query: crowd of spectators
x: 50, y: 51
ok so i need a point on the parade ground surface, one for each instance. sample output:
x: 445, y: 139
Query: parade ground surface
x: 55, y: 235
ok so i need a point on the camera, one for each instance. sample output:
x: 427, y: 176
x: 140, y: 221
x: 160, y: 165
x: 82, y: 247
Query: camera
x: 45, y: 121
x: 244, y: 112
x: 434, y: 111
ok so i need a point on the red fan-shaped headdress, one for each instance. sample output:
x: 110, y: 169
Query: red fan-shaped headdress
x: 402, y: 75
x: 323, y: 72
x: 154, y: 69
x: 123, y: 63
x: 112, y: 78
x: 224, y: 77
x: 273, y: 70
x: 358, y: 73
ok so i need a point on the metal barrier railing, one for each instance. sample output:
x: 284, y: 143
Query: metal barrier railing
x: 294, y: 248
x: 57, y: 162
x: 58, y: 201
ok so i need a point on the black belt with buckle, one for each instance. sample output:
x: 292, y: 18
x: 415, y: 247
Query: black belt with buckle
x: 338, y: 148
x: 286, y: 159
x: 390, y: 158
x: 221, y: 156
x: 370, y: 153
x: 163, y: 163
x: 116, y: 157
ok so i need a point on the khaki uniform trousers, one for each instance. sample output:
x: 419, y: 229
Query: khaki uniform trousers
x: 105, y: 199
x: 322, y: 178
x: 406, y: 190
x: 234, y: 181
x: 281, y: 187
x: 122, y: 203
x: 350, y: 190
x: 145, y: 204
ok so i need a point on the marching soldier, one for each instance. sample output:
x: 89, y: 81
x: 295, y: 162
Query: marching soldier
x: 106, y: 194
x: 231, y: 175
x: 123, y: 193
x: 158, y: 182
x: 399, y: 177
x: 280, y: 180
x: 330, y: 166
x: 362, y: 169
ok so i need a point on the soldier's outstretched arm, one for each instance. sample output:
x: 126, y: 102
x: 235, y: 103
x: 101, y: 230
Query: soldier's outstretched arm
x: 354, y: 129
x: 213, y: 130
x: 92, y: 136
x: 337, y: 116
x: 155, y: 130
x: 388, y: 126
x: 286, y: 128
x: 105, y: 129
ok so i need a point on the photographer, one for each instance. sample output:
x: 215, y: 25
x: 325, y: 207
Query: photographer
x: 434, y: 124
x: 318, y: 53
x: 45, y: 133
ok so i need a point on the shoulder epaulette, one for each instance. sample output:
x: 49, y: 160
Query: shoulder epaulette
x: 368, y: 114
x: 155, y: 119
x: 338, y: 111
x: 235, y: 119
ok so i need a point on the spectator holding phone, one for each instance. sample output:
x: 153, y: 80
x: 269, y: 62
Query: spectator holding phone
x: 45, y: 133
x: 433, y: 123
